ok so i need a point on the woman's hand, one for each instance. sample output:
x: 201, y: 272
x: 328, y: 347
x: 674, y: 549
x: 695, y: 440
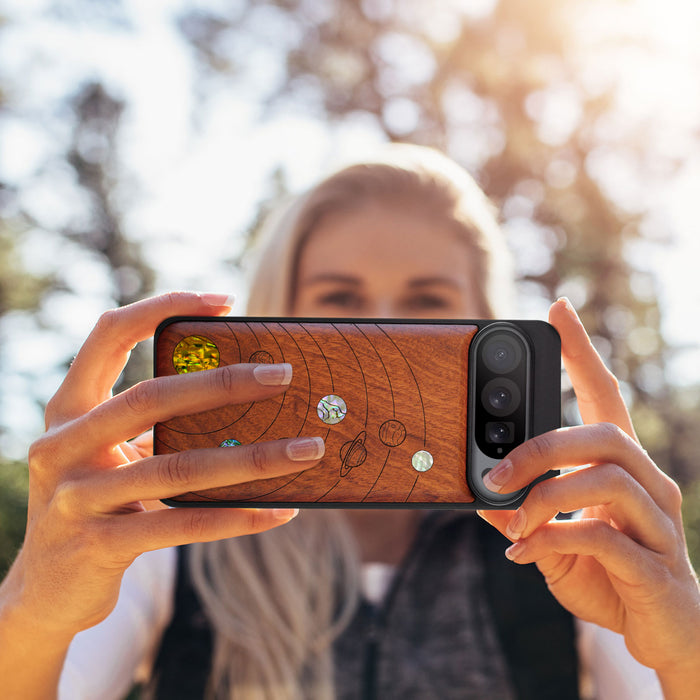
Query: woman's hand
x: 88, y: 517
x: 623, y: 564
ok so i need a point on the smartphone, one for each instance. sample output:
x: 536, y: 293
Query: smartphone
x: 413, y: 413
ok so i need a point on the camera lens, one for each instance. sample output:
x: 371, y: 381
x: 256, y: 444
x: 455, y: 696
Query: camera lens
x: 500, y: 396
x: 502, y: 353
x: 499, y: 432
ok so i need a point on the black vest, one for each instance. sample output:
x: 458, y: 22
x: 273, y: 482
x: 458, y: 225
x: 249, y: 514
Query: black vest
x: 534, y: 635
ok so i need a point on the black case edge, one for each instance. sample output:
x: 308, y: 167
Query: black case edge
x: 546, y: 365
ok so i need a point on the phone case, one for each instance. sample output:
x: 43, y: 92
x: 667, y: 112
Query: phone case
x: 389, y: 398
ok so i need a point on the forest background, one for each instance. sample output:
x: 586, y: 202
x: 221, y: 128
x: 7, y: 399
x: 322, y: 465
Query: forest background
x: 140, y: 143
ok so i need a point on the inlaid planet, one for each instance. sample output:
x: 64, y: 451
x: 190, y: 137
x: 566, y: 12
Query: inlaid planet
x: 331, y: 409
x: 422, y: 461
x: 392, y: 432
x: 353, y: 454
x: 195, y: 353
x: 261, y: 357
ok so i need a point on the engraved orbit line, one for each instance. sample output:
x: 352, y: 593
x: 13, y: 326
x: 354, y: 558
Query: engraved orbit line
x: 160, y: 440
x: 327, y: 492
x: 238, y: 345
x: 325, y: 359
x: 393, y: 406
x: 204, y: 495
x: 308, y: 376
x: 391, y: 388
x: 200, y: 432
x: 412, y: 487
x: 386, y: 459
x: 267, y: 493
x: 279, y: 347
x: 255, y: 335
x: 364, y: 381
x: 284, y: 395
x: 226, y: 427
x: 290, y: 481
x: 287, y: 483
x: 207, y: 432
x: 204, y: 432
x: 362, y: 374
x: 199, y: 494
x: 410, y: 369
x: 222, y: 427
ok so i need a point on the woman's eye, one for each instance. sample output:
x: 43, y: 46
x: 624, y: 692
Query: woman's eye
x: 427, y: 302
x: 341, y: 300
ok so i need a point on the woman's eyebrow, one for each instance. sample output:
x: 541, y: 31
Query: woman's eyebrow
x: 433, y: 281
x: 333, y: 277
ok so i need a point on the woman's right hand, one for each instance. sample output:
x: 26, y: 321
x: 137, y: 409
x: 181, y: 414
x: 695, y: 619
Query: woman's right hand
x: 87, y: 516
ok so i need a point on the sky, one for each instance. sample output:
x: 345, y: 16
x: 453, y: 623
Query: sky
x: 191, y: 191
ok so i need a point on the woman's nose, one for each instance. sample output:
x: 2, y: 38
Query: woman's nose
x: 383, y: 308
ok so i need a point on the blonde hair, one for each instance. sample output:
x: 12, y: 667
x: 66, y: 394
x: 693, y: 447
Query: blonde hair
x: 277, y: 600
x: 404, y: 175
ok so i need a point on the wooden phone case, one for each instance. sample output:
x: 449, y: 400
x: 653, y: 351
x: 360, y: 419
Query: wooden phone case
x: 404, y: 386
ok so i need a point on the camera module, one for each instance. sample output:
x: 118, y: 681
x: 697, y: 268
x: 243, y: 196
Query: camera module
x: 501, y: 389
x: 514, y: 368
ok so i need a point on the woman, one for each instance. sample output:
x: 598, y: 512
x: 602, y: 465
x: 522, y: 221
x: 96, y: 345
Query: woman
x: 276, y: 601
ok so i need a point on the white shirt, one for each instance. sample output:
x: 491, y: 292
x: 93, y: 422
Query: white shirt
x: 104, y: 661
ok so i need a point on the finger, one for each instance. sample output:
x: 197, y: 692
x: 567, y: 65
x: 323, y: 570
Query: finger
x: 138, y: 448
x: 165, y: 476
x: 131, y: 452
x: 497, y: 518
x: 156, y: 400
x: 618, y: 554
x: 142, y: 532
x: 143, y: 444
x: 102, y: 357
x: 579, y: 445
x: 606, y: 486
x: 596, y: 388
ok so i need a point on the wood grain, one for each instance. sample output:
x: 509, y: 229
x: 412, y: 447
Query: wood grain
x: 405, y: 386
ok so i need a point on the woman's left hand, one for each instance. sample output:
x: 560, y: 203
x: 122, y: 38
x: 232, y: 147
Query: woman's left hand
x: 623, y: 564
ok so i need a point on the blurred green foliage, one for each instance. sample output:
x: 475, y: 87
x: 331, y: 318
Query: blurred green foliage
x: 18, y: 290
x: 691, y: 521
x: 14, y: 482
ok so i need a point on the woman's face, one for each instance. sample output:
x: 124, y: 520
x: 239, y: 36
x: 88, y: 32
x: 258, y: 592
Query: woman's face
x: 388, y: 262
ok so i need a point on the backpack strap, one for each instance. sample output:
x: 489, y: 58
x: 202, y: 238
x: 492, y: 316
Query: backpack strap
x: 183, y: 664
x: 536, y: 633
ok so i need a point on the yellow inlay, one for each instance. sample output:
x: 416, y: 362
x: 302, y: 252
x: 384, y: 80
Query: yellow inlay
x: 195, y: 353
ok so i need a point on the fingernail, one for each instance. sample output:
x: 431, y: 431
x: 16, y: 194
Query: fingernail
x: 515, y: 550
x: 303, y: 449
x: 273, y: 375
x: 285, y: 514
x: 569, y: 306
x: 218, y: 299
x: 499, y: 476
x: 516, y: 525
